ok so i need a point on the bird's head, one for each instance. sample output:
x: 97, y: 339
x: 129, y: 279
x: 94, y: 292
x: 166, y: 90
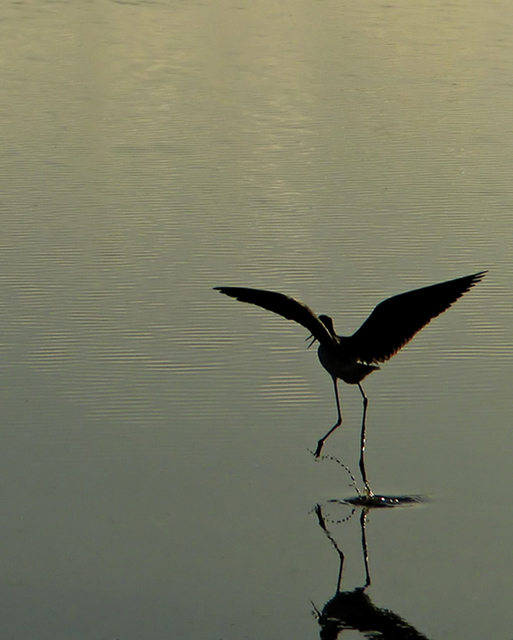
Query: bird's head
x: 328, y: 323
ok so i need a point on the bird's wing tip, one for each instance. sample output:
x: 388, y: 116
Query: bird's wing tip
x: 477, y: 277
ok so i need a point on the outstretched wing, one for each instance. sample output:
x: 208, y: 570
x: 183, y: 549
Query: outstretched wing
x: 283, y: 305
x: 395, y: 321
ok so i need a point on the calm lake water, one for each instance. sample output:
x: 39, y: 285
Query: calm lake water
x: 155, y: 474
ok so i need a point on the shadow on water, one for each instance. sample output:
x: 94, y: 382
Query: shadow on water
x: 354, y: 610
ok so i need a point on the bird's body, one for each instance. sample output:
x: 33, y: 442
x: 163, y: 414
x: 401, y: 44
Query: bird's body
x: 338, y: 365
x: 391, y: 325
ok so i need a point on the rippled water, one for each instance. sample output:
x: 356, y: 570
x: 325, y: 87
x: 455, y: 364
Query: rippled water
x: 155, y: 475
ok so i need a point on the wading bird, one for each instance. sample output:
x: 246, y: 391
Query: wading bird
x: 391, y: 325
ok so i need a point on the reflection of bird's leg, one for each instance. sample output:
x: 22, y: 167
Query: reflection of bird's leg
x: 368, y: 490
x: 365, y: 549
x: 320, y: 443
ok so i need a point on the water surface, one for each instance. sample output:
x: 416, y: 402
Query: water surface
x: 155, y: 472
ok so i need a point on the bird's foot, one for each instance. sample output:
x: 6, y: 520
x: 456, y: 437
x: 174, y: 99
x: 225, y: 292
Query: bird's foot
x: 319, y: 448
x: 369, y: 493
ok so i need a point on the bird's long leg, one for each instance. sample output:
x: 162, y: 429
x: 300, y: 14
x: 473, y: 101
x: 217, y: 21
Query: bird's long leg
x: 368, y: 490
x: 320, y: 443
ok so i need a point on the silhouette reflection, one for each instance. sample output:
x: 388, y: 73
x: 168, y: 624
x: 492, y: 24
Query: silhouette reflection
x: 354, y: 610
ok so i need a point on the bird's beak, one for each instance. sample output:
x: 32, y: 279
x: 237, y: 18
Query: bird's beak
x: 313, y: 340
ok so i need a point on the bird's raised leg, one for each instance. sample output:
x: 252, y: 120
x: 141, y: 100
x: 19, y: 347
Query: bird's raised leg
x: 320, y: 443
x: 368, y: 490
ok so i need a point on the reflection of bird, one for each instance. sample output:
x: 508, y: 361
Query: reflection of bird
x: 389, y: 327
x: 354, y: 610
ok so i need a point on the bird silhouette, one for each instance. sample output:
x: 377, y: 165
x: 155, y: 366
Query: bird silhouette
x: 391, y: 325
